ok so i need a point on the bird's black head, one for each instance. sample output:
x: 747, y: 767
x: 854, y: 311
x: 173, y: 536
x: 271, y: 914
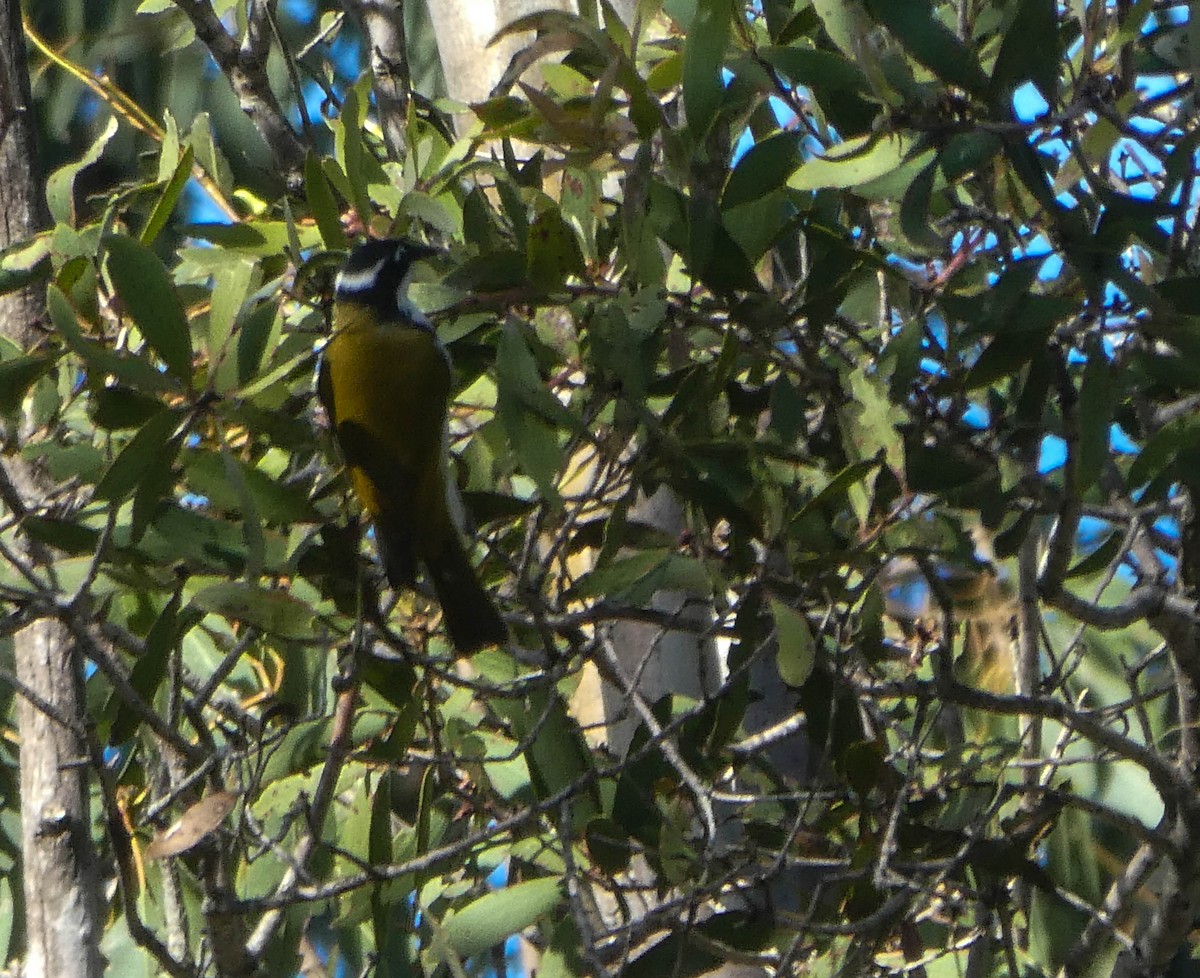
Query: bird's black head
x: 376, y: 274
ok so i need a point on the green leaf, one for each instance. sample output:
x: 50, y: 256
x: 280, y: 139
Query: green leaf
x: 1179, y: 435
x: 837, y: 487
x: 322, y: 204
x: 135, y: 460
x: 21, y: 373
x: 491, y: 272
x: 252, y: 528
x: 797, y: 650
x: 494, y: 917
x: 633, y: 580
x: 552, y: 251
x: 534, y: 444
x: 294, y: 754
x: 8, y: 914
x: 101, y: 361
x: 145, y: 289
x: 808, y: 66
x: 608, y: 845
x: 274, y: 612
x: 968, y: 152
x: 870, y: 624
x: 250, y: 491
x: 119, y: 408
x: 1003, y: 357
x: 437, y: 212
x: 678, y: 955
x: 24, y: 262
x: 257, y: 239
x: 870, y: 421
x: 1026, y: 163
x: 1099, y: 558
x: 914, y: 211
x: 703, y: 58
x: 156, y: 482
x: 929, y: 40
x: 764, y: 168
x: 77, y: 460
x: 150, y: 669
x: 354, y: 833
x: 1020, y: 61
x: 846, y: 23
x: 557, y: 755
x: 231, y: 285
x: 259, y: 333
x: 1096, y: 405
x: 936, y: 468
x: 839, y: 84
x: 208, y: 155
x: 165, y: 205
x: 528, y: 411
x: 201, y: 543
x: 356, y: 162
x: 123, y: 955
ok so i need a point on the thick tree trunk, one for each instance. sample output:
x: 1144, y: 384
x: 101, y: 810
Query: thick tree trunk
x: 62, y: 926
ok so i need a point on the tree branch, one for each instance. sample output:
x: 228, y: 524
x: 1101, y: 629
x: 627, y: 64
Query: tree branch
x: 245, y: 68
x: 382, y: 23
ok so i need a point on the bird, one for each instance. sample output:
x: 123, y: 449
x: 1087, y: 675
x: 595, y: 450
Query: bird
x: 384, y: 381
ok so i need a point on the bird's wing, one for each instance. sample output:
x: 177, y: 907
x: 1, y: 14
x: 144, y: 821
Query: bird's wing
x: 325, y: 392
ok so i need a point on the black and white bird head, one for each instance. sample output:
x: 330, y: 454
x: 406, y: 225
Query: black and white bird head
x: 377, y: 275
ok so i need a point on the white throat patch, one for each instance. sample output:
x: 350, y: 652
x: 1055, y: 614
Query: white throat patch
x: 359, y: 281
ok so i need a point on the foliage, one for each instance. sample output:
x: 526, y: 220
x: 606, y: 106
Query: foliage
x: 915, y: 360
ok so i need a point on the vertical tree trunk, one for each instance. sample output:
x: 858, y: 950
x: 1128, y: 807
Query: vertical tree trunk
x: 62, y: 927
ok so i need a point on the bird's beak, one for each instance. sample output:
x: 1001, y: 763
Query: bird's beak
x: 421, y: 251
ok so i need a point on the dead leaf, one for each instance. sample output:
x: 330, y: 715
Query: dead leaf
x: 198, y: 822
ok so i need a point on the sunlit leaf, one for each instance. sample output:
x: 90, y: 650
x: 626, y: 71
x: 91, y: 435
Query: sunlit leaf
x: 855, y: 162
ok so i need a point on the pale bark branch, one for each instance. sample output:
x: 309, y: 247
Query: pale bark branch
x: 245, y: 67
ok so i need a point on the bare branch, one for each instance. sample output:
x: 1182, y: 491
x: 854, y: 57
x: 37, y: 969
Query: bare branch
x: 245, y: 68
x: 383, y: 26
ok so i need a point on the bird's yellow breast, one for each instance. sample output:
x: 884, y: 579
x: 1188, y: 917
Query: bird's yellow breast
x: 386, y: 388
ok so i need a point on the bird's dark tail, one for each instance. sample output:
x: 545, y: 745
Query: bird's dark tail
x: 395, y: 553
x: 471, y: 618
